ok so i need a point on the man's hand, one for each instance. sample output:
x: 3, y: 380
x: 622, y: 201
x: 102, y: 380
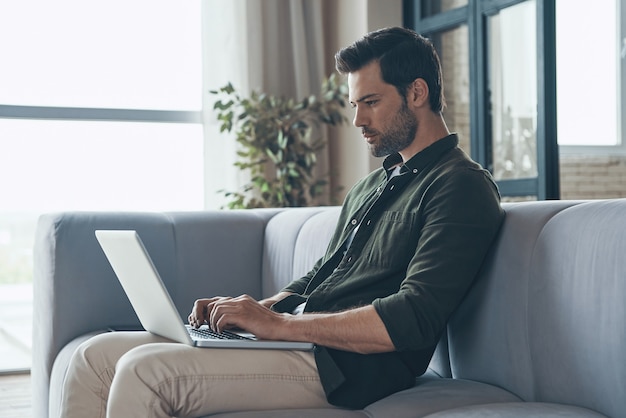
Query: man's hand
x: 359, y: 330
x: 200, y: 312
x: 244, y: 312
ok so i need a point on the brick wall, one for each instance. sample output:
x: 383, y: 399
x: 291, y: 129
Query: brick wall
x: 592, y: 177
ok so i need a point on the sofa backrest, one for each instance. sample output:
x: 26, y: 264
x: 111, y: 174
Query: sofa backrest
x: 546, y: 318
x: 294, y: 240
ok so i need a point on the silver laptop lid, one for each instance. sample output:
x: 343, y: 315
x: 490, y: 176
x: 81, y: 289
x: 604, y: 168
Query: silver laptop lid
x: 142, y: 284
x: 151, y: 301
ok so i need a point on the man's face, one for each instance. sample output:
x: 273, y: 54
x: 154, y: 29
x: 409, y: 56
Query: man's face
x: 387, y: 124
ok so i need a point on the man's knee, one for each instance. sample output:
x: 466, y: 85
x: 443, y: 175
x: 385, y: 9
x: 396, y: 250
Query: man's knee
x: 135, y: 359
x: 149, y: 363
x: 92, y: 351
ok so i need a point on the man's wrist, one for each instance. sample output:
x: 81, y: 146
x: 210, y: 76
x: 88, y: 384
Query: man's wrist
x: 268, y: 302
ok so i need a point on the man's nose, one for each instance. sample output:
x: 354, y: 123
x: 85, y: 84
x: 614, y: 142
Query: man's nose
x: 359, y: 118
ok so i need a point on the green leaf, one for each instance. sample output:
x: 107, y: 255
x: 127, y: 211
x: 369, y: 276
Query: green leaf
x: 274, y: 135
x: 282, y: 140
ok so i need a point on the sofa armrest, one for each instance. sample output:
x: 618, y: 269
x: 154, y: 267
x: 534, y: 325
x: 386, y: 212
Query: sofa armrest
x: 76, y: 292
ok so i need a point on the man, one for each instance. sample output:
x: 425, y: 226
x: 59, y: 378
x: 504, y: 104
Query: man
x: 410, y: 239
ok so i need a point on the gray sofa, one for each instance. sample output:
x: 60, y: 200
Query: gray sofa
x: 541, y: 333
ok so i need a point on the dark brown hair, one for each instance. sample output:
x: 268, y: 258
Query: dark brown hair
x: 403, y: 55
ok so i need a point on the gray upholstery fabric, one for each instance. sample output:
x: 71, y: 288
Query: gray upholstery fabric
x: 295, y: 413
x: 432, y: 394
x: 217, y: 253
x: 517, y: 410
x: 313, y: 239
x: 490, y: 327
x: 577, y: 327
x: 73, y: 290
x: 280, y: 238
x: 548, y: 309
x: 541, y: 333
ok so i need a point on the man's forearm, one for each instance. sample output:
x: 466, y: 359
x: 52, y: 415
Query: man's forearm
x: 359, y: 330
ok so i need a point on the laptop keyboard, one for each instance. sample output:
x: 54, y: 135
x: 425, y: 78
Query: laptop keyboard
x: 208, y: 334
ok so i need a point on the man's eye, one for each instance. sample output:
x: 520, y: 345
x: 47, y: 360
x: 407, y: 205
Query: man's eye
x: 371, y: 102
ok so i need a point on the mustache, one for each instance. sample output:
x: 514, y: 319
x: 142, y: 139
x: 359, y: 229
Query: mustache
x: 368, y: 132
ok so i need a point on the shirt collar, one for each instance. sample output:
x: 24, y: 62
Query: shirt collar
x: 420, y: 160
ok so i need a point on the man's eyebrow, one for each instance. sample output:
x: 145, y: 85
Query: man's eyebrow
x: 363, y: 98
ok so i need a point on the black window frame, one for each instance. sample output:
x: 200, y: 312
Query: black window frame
x: 475, y: 15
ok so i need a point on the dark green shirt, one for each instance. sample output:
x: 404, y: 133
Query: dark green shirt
x: 422, y: 238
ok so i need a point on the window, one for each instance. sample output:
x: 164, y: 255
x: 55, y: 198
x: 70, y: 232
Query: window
x: 100, y: 109
x: 140, y: 54
x: 513, y: 89
x: 589, y: 91
x: 509, y: 100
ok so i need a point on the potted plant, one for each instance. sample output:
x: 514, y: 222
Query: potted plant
x: 279, y: 139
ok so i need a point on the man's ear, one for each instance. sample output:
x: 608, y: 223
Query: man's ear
x: 418, y: 93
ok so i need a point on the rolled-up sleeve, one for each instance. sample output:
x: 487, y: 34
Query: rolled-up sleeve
x: 460, y: 219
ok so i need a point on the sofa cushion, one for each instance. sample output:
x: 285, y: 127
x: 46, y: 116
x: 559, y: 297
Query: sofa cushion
x: 488, y: 339
x: 546, y: 318
x: 217, y: 253
x: 430, y: 395
x: 294, y: 413
x: 577, y: 336
x: 517, y: 410
x: 313, y: 239
x: 282, y: 234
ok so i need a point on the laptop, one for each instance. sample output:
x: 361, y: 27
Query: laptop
x: 154, y: 306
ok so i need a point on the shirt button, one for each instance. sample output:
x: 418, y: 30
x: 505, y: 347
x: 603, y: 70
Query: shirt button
x: 415, y: 171
x: 354, y: 222
x: 369, y: 222
x: 349, y: 260
x: 392, y: 186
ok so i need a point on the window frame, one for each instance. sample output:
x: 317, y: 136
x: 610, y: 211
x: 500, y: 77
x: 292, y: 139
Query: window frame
x: 546, y: 185
x: 98, y: 114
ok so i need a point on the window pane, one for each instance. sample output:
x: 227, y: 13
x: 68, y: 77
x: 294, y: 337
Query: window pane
x: 432, y: 7
x: 15, y: 322
x: 67, y: 165
x: 101, y: 53
x: 587, y: 72
x: 453, y: 49
x: 73, y: 165
x: 513, y: 90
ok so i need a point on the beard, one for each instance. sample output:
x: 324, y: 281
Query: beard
x: 399, y: 136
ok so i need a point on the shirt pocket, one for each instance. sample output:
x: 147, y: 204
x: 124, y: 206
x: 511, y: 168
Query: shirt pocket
x: 393, y: 240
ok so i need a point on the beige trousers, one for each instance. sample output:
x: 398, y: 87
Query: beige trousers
x: 137, y: 374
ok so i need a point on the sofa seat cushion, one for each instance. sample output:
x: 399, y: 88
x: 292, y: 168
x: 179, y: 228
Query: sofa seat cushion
x: 293, y: 413
x: 518, y: 410
x: 430, y: 395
